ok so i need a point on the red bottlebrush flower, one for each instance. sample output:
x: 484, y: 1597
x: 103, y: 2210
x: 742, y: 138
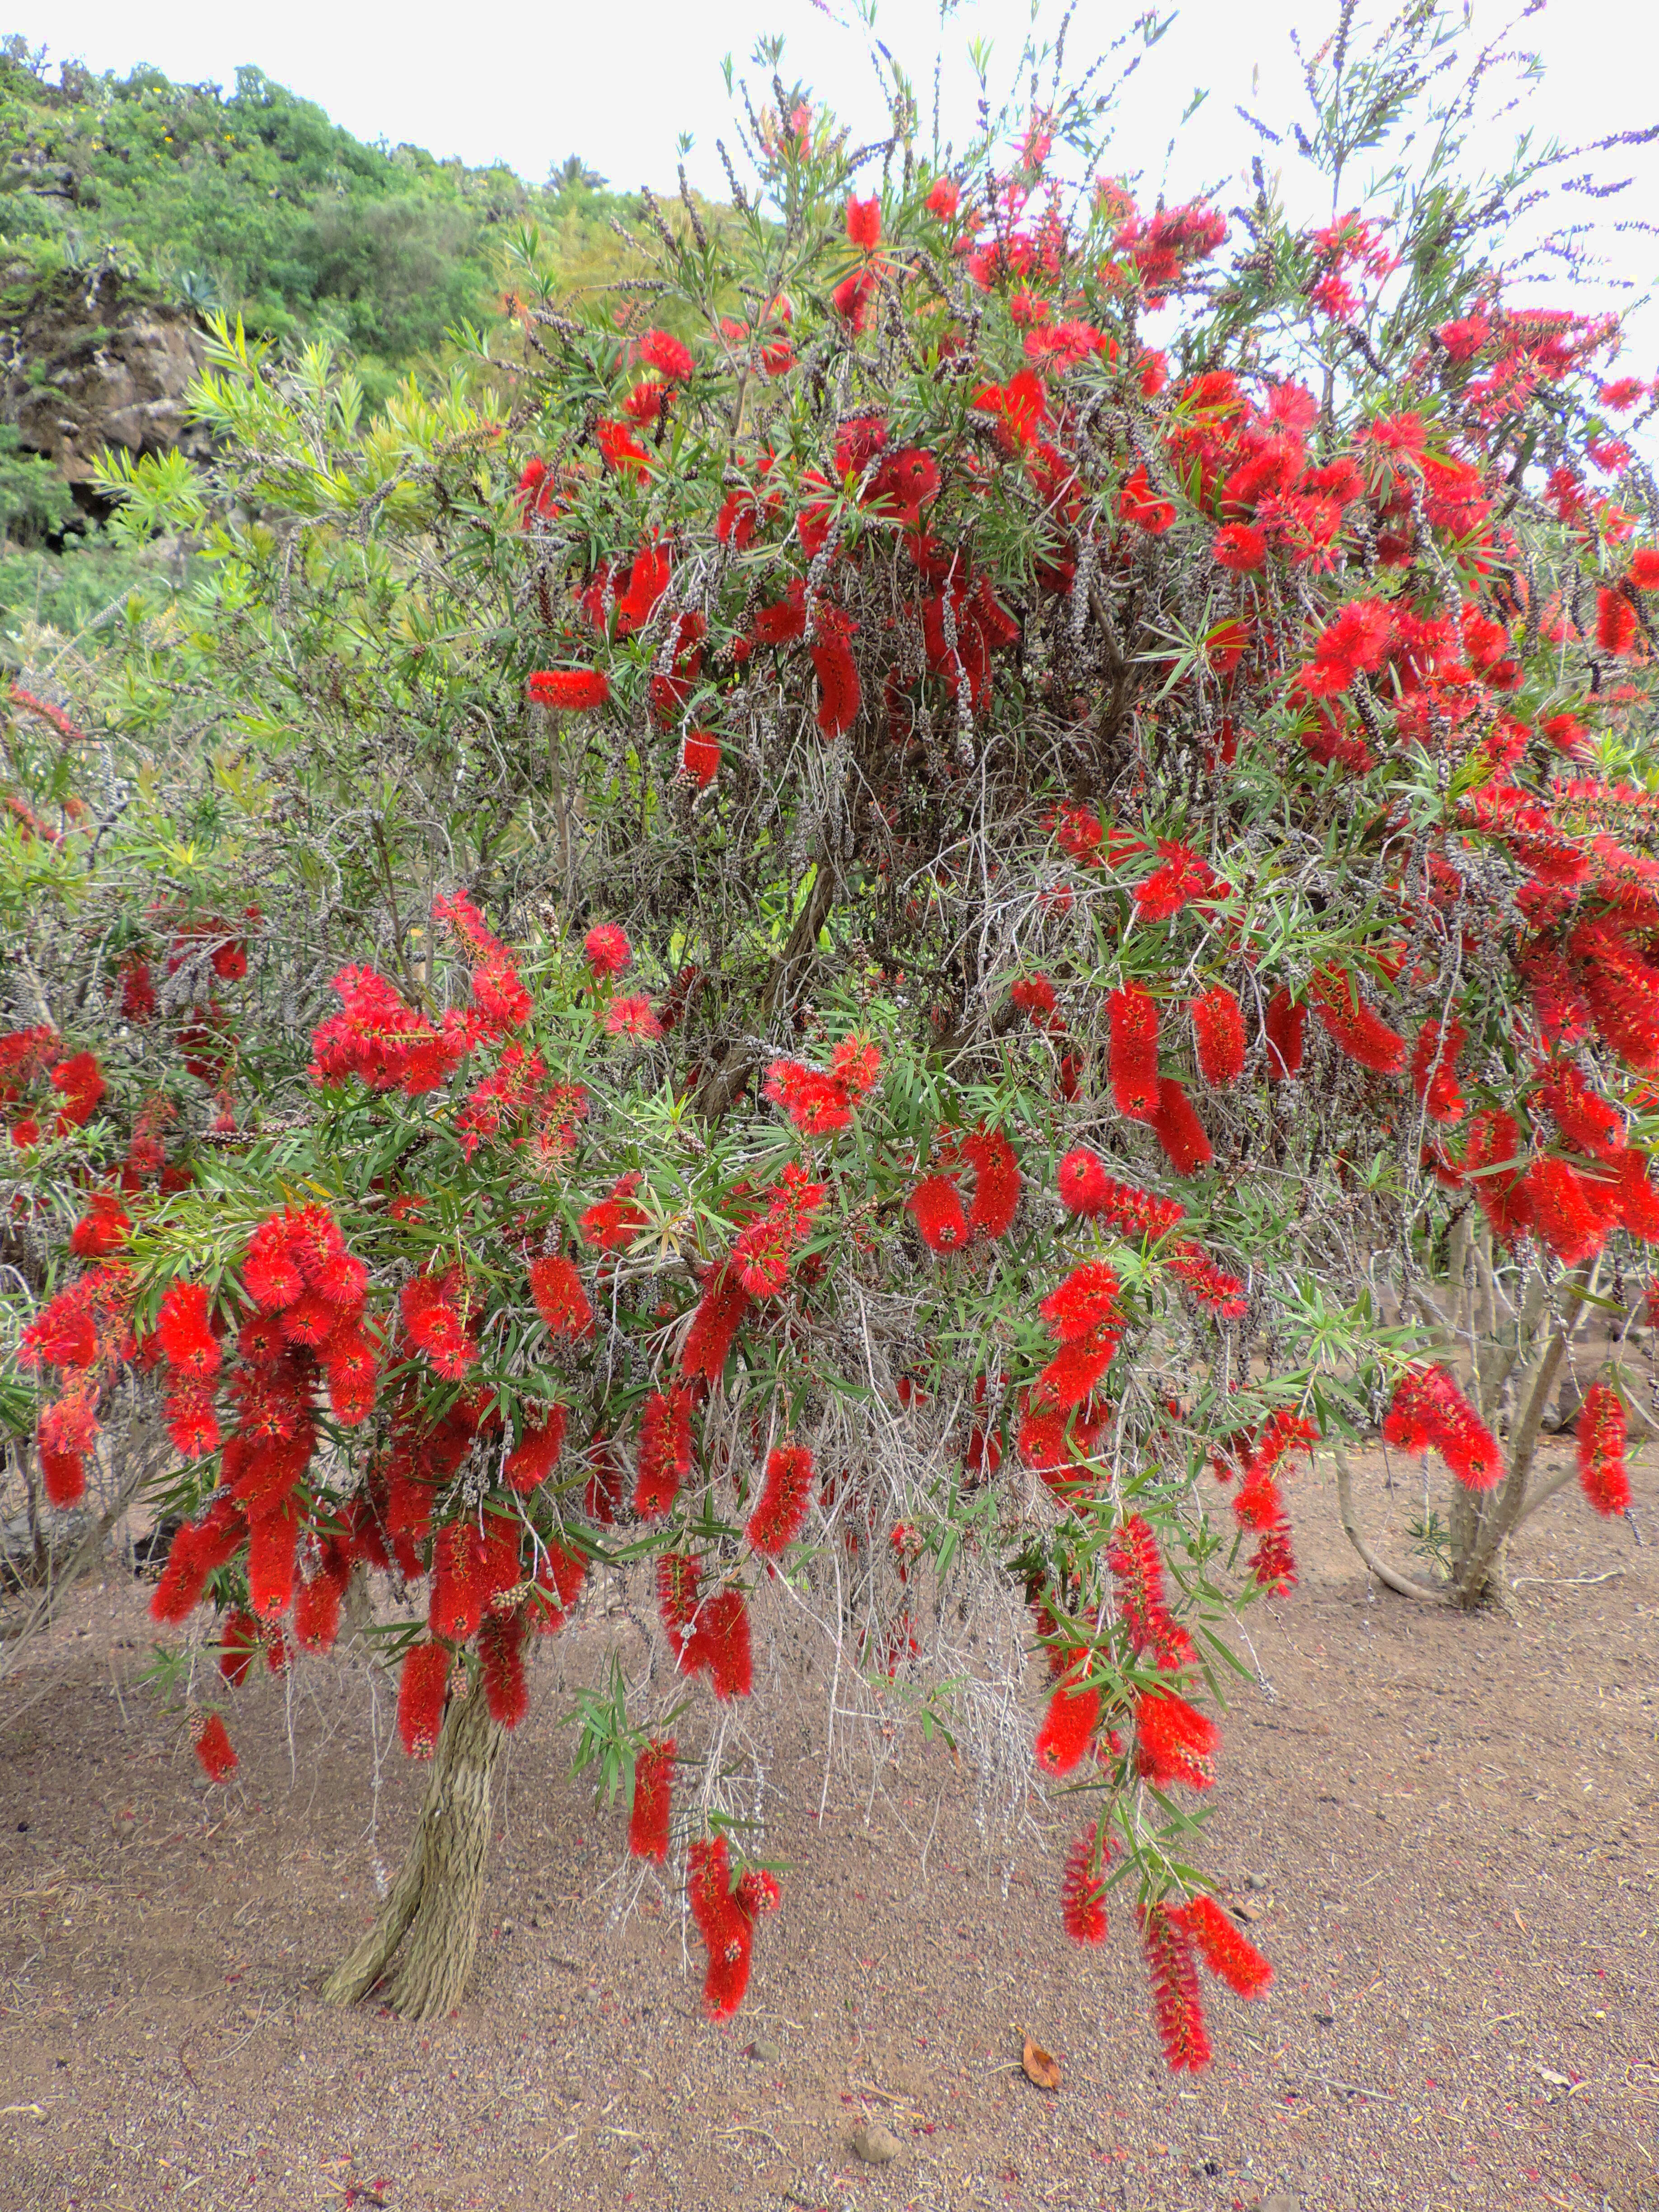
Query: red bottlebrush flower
x: 1638, y: 1201
x: 720, y: 1314
x: 1600, y: 1439
x: 1219, y: 1033
x: 1434, y: 1069
x: 678, y: 1577
x: 1174, y: 1742
x: 311, y: 1321
x: 190, y: 1419
x: 1083, y: 1892
x: 559, y: 1298
x: 1034, y: 995
x: 1183, y: 876
x: 1589, y: 1123
x: 660, y: 350
x: 570, y: 690
x: 213, y: 1750
x: 1071, y: 1375
x: 560, y: 1576
x: 240, y: 1640
x: 700, y: 756
x: 468, y: 1569
x: 1645, y: 569
x: 725, y: 1922
x: 1175, y: 2007
x: 1428, y: 1408
x: 781, y: 1509
x: 1257, y: 1502
x: 1240, y: 548
x: 536, y: 1454
x: 272, y: 1540
x: 1085, y: 1188
x: 936, y: 1206
x: 1214, y: 1287
x: 138, y: 991
x: 634, y: 1017
x: 838, y: 685
x: 436, y: 1325
x: 720, y: 1643
x: 63, y: 1475
x: 181, y: 1327
x: 1273, y: 1563
x: 104, y: 1228
x: 1282, y: 1026
x: 1079, y: 832
x: 1492, y: 1166
x: 1073, y: 1717
x: 1562, y: 1212
x: 1132, y: 1058
x: 665, y: 1453
x: 944, y: 199
x: 1615, y: 628
x: 1178, y: 1129
x: 270, y: 1273
x: 317, y: 1604
x: 864, y: 223
x: 81, y: 1082
x: 353, y: 1377
x: 607, y: 948
x: 1228, y: 1954
x: 500, y: 1662
x: 996, y: 1182
x: 654, y: 1789
x: 1139, y: 504
x: 1354, y: 1024
x: 1084, y: 1303
x: 422, y: 1681
x: 614, y: 1222
x: 851, y: 298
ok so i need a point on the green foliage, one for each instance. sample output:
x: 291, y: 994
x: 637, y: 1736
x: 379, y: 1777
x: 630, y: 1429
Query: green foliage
x: 253, y: 202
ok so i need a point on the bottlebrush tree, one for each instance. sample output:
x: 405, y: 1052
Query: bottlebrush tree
x: 919, y: 884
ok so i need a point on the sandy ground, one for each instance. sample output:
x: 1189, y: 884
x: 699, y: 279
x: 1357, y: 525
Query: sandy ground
x: 1452, y: 1822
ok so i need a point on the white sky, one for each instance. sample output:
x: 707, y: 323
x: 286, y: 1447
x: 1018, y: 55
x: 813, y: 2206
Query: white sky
x: 617, y: 83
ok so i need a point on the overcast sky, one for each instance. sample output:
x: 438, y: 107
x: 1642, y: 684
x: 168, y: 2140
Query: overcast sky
x: 617, y: 84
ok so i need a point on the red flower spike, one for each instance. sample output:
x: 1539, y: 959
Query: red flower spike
x: 422, y: 1681
x: 1434, y: 1070
x: 1218, y: 1035
x: 1175, y: 2007
x: 570, y: 690
x: 1600, y: 1444
x: 1354, y: 1024
x: 1178, y: 1129
x: 720, y: 1643
x: 714, y: 1325
x: 996, y: 1183
x: 1073, y: 1717
x: 1083, y: 1892
x: 678, y: 1577
x: 1429, y: 1410
x: 500, y: 1662
x: 1132, y: 1058
x: 936, y: 1206
x: 1282, y: 1026
x: 1174, y: 1742
x: 1566, y: 1211
x: 561, y: 1299
x: 782, y: 1508
x: 181, y: 1327
x: 541, y: 1442
x: 665, y: 1450
x: 653, y: 1788
x: 1230, y: 1956
x: 238, y: 1646
x: 213, y: 1750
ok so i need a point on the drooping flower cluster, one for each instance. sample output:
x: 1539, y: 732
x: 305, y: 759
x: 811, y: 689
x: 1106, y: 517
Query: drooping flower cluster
x: 1428, y: 1411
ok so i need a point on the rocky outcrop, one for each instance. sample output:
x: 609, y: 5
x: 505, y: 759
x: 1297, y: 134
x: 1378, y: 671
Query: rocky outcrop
x: 90, y: 359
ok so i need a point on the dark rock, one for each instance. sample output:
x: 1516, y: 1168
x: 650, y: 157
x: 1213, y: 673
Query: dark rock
x: 90, y: 359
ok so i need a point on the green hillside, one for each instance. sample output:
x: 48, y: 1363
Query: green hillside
x: 253, y: 201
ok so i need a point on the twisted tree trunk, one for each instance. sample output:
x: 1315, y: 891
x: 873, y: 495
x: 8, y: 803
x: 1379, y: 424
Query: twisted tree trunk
x: 428, y: 1923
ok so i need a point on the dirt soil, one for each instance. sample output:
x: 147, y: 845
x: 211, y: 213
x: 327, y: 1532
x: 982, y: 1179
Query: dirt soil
x: 1446, y: 1828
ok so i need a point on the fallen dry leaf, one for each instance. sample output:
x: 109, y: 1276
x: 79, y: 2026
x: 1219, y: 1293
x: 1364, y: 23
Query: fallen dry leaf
x: 1040, y: 2066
